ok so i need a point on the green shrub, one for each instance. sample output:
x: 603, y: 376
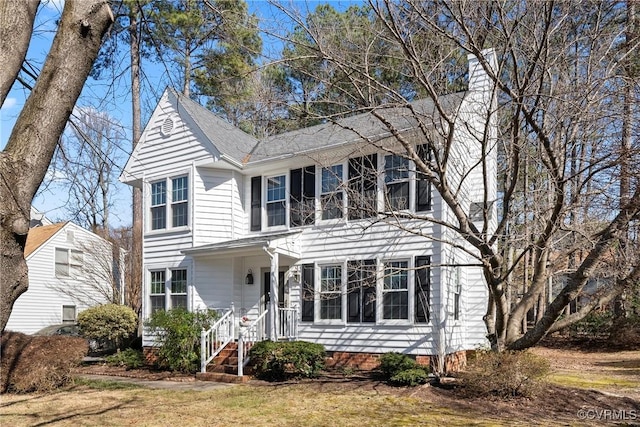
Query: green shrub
x: 410, y: 377
x: 129, y: 358
x: 38, y: 363
x: 178, y: 337
x: 276, y: 361
x: 108, y: 323
x: 393, y: 363
x: 596, y: 323
x: 508, y: 374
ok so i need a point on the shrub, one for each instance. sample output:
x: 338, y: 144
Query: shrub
x: 178, y: 337
x: 276, y: 361
x: 596, y: 323
x: 508, y: 374
x: 129, y: 358
x: 410, y: 377
x: 38, y: 363
x: 393, y: 363
x: 108, y: 323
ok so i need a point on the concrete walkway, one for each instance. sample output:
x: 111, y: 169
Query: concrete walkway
x: 161, y: 384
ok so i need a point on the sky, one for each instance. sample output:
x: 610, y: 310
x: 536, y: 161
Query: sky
x: 111, y: 94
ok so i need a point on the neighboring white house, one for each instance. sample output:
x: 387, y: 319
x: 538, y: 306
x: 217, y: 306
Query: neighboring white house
x: 281, y: 225
x: 70, y: 269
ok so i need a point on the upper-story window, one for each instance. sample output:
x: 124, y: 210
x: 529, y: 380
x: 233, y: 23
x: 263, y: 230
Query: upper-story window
x: 177, y: 206
x: 276, y: 201
x: 68, y: 263
x: 396, y: 180
x: 332, y: 192
x: 363, y: 178
x: 302, y: 196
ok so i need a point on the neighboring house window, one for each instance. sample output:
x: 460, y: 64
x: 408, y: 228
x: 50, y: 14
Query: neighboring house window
x: 362, y: 186
x: 302, y: 196
x: 331, y: 192
x: 396, y: 179
x: 361, y: 291
x: 179, y: 288
x: 395, y: 290
x: 179, y: 201
x: 256, y: 203
x: 158, y: 205
x: 157, y: 292
x: 68, y: 313
x: 175, y: 198
x: 308, y: 292
x: 477, y: 210
x: 68, y: 263
x: 331, y: 292
x: 423, y: 186
x: 422, y: 285
x: 276, y: 208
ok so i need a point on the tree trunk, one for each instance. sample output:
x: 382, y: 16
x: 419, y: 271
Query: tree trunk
x: 33, y: 140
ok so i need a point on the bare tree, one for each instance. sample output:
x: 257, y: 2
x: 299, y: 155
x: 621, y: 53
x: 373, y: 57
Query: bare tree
x: 556, y: 106
x: 25, y: 159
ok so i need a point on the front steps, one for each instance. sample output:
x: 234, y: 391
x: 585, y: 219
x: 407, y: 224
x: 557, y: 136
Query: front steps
x: 224, y: 367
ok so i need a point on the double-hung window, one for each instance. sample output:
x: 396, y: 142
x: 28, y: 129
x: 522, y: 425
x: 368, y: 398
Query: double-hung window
x: 331, y: 192
x: 68, y: 263
x: 361, y: 291
x: 157, y: 290
x: 276, y: 201
x: 159, y: 205
x: 179, y: 288
x: 179, y: 201
x: 331, y: 292
x: 395, y: 290
x: 170, y: 202
x: 396, y: 179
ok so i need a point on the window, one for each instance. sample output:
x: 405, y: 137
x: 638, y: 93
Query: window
x: 179, y: 201
x: 423, y: 282
x: 362, y: 186
x: 308, y: 292
x: 302, y: 196
x: 477, y: 211
x: 331, y: 292
x: 276, y: 209
x: 396, y: 180
x: 179, y: 288
x: 157, y: 291
x: 395, y: 292
x: 331, y: 192
x: 361, y: 291
x: 68, y: 263
x: 423, y: 186
x: 158, y: 205
x: 68, y: 314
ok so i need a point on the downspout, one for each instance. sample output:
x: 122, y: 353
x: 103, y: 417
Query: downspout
x: 273, y: 297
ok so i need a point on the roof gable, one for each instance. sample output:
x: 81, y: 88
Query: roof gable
x: 38, y: 236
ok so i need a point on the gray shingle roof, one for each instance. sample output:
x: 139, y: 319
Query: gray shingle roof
x: 245, y: 148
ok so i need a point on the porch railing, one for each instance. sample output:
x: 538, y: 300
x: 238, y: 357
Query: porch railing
x: 213, y: 340
x: 248, y: 336
x: 288, y: 323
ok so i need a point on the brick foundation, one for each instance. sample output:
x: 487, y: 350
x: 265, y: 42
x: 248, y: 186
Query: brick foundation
x: 150, y: 355
x: 454, y: 362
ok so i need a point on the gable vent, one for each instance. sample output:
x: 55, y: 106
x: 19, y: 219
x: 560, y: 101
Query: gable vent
x: 167, y: 126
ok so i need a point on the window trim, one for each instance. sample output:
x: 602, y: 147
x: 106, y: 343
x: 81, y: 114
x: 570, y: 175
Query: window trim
x: 71, y: 267
x: 167, y: 286
x: 75, y: 313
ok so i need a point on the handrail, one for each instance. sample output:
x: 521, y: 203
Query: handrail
x: 288, y: 325
x: 247, y: 337
x: 213, y: 340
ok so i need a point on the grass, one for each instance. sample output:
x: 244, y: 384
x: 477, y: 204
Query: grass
x: 92, y: 403
x: 597, y: 382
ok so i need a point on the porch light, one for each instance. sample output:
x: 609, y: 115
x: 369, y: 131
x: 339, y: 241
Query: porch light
x: 249, y: 279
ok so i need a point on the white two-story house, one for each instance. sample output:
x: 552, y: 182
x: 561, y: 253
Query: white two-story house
x: 298, y: 230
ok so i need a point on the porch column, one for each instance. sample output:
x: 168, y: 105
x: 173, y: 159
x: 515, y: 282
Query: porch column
x: 273, y: 309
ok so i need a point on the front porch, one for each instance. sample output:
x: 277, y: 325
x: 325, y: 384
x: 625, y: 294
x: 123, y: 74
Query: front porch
x: 229, y: 344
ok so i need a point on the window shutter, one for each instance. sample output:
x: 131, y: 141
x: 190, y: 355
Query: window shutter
x: 422, y: 289
x: 423, y: 187
x: 308, y: 291
x: 295, y: 198
x: 256, y: 203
